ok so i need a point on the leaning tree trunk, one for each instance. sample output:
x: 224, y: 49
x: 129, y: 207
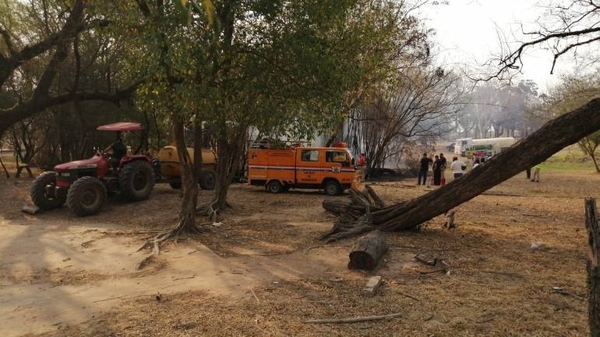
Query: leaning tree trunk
x: 540, y: 145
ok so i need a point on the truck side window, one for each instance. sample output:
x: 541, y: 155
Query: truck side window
x: 310, y: 155
x: 337, y: 157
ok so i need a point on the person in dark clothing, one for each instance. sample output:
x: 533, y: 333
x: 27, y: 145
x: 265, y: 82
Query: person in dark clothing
x: 425, y: 162
x: 443, y: 161
x: 443, y: 165
x: 117, y: 150
x: 437, y: 171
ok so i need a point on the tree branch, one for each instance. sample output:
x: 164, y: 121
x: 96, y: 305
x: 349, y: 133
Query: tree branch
x: 510, y: 61
x: 39, y: 103
x: 72, y: 27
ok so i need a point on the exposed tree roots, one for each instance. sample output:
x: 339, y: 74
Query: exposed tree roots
x: 182, y: 226
x: 211, y: 210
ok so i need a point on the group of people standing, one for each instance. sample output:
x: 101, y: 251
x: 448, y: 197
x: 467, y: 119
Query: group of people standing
x: 438, y: 164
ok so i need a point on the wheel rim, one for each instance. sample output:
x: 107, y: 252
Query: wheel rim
x: 139, y: 181
x: 48, y: 191
x: 89, y: 197
x: 331, y: 188
x: 274, y: 187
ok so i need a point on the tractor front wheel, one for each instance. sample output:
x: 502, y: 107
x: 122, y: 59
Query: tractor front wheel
x: 43, y: 192
x: 86, y: 196
x: 136, y: 181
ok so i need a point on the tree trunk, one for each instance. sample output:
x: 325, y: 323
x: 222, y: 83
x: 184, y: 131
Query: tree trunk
x: 189, y: 180
x: 4, y: 167
x: 591, y: 223
x: 229, y: 153
x: 540, y: 145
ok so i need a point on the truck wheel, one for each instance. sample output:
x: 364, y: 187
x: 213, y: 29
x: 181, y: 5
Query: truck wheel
x: 136, y: 181
x: 207, y: 180
x: 332, y: 187
x: 274, y: 186
x: 86, y: 196
x: 175, y: 183
x: 43, y: 192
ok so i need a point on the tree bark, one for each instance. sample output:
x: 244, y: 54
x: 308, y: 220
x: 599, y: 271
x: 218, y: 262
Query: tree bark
x: 189, y: 180
x: 229, y: 153
x: 539, y: 146
x: 593, y: 278
x: 4, y: 167
x: 367, y: 251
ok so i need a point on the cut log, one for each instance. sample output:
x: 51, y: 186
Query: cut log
x: 367, y: 251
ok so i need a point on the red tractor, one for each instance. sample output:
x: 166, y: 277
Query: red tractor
x: 84, y: 184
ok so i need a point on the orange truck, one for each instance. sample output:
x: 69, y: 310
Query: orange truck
x: 329, y: 168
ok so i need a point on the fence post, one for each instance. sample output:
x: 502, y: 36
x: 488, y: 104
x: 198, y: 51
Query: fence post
x: 593, y: 278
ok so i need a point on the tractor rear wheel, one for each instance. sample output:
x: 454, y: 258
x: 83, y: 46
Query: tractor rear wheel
x: 43, y: 192
x: 136, y: 181
x: 207, y: 180
x: 86, y: 196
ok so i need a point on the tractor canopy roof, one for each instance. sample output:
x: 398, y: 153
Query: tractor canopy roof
x: 121, y: 126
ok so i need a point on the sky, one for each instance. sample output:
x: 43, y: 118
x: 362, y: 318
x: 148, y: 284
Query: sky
x: 467, y: 33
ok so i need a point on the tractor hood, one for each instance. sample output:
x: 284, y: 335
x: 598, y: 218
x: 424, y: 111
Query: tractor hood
x: 93, y: 162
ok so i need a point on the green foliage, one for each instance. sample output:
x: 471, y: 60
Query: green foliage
x: 282, y: 67
x: 285, y: 68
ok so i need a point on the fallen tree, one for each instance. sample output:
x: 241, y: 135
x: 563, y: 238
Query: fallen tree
x: 539, y: 146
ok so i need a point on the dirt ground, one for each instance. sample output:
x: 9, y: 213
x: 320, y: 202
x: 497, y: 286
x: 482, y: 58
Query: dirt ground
x: 516, y: 267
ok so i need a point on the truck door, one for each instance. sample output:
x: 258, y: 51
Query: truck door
x: 335, y: 160
x: 307, y: 166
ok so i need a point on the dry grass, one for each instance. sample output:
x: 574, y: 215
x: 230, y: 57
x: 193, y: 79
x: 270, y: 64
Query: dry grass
x: 497, y: 284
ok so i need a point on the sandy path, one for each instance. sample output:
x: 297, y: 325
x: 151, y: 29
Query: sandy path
x: 52, y: 274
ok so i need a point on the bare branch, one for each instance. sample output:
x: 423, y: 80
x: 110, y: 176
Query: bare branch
x: 569, y: 47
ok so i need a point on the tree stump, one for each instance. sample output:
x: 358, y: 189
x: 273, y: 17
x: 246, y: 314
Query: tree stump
x: 593, y: 279
x: 367, y: 251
